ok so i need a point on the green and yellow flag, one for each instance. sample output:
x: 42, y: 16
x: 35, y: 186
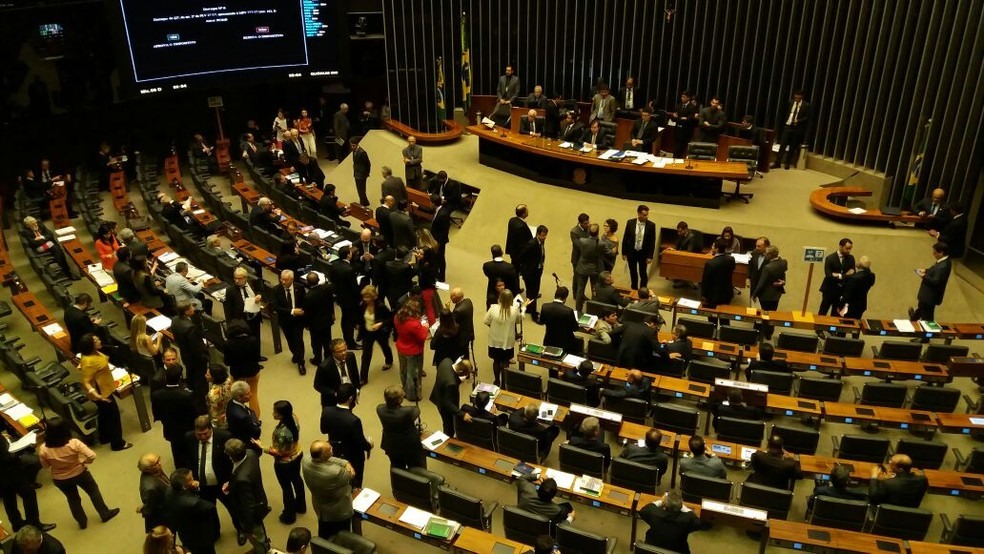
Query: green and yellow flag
x: 916, y: 165
x: 441, y: 107
x: 466, y: 79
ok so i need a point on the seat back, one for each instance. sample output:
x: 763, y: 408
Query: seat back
x: 524, y: 382
x: 412, y: 489
x: 777, y: 381
x: 738, y: 335
x: 356, y: 543
x: 863, y: 449
x: 775, y: 501
x: 599, y: 308
x: 742, y: 431
x: 695, y: 488
x: 706, y: 371
x: 935, y: 399
x: 698, y: 327
x: 635, y: 476
x: 679, y: 419
x: 462, y: 508
x: 898, y: 350
x: 523, y: 526
x: 580, y: 461
x: 925, y: 454
x: 797, y: 440
x: 940, y: 353
x: 702, y: 150
x: 901, y: 522
x: 975, y: 463
x: 632, y: 409
x: 565, y: 394
x: 828, y: 390
x: 325, y: 546
x: 747, y: 154
x: 630, y: 315
x: 798, y: 342
x: 214, y: 330
x: 968, y: 530
x: 517, y: 445
x: 839, y: 513
x: 888, y: 395
x: 601, y: 352
x: 674, y: 367
x: 574, y: 540
x: 480, y: 432
x: 840, y: 346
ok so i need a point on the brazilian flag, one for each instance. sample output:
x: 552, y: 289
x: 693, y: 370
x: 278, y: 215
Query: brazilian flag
x: 466, y: 76
x: 916, y: 165
x: 441, y: 106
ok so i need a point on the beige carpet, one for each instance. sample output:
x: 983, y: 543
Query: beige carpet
x: 779, y: 210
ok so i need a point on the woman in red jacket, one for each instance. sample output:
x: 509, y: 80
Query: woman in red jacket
x: 411, y: 334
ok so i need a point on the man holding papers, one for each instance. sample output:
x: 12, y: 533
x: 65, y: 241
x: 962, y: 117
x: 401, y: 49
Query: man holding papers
x: 933, y: 285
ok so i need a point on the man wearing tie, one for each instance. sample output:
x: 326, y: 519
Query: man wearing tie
x: 293, y: 148
x: 627, y: 98
x: 571, y: 130
x: 288, y: 302
x: 242, y: 302
x: 643, y: 133
x: 793, y: 131
x: 530, y: 262
x: 639, y: 246
x: 448, y: 189
x: 603, y: 106
x: 507, y: 91
x: 441, y: 231
x: 757, y: 260
x: 209, y: 465
x: 413, y: 158
x: 596, y: 136
x: 685, y: 119
x: 531, y: 125
x: 932, y: 285
x: 338, y: 368
x: 934, y: 210
x: 836, y: 268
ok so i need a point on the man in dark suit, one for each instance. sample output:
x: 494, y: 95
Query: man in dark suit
x: 364, y: 252
x: 441, y: 231
x: 192, y: 518
x: 679, y: 344
x: 591, y: 253
x: 32, y: 540
x: 448, y: 189
x: 765, y: 361
x: 933, y: 210
x: 638, y: 386
x: 596, y: 136
x: 174, y: 407
x: 643, y: 133
x: 933, y: 284
x: 954, y: 234
x: 337, y: 369
x: 310, y: 172
x: 606, y: 292
x: 79, y: 324
x: 319, y: 307
x: 398, y: 275
x: 41, y: 239
x: 571, y: 130
x: 669, y: 525
x: 518, y: 234
x: 560, y: 322
x: 246, y: 494
x: 530, y: 262
x: 900, y: 485
x: 774, y: 467
x: 536, y: 99
x: 795, y: 125
x: 771, y: 284
x: 401, y: 436
x: 684, y: 117
x: 403, y: 229
x: 288, y: 303
x: 525, y: 421
x: 836, y: 267
x: 496, y: 269
x: 237, y: 304
x: 578, y: 232
x: 651, y: 454
x: 18, y: 475
x: 383, y: 212
x: 342, y: 126
x: 413, y: 158
x: 716, y: 287
x: 756, y: 261
x: 347, y: 293
x: 531, y: 125
x: 748, y: 130
x: 393, y: 186
x: 581, y: 376
x: 189, y: 336
x: 361, y: 168
x: 639, y: 342
x: 836, y: 487
x: 687, y: 239
x: 446, y: 394
x: 712, y: 121
x: 345, y: 432
x: 734, y: 407
x: 464, y: 313
x: 293, y: 148
x: 263, y: 216
x: 242, y: 421
x: 630, y: 99
x: 589, y: 438
x: 854, y: 294
x: 639, y: 246
x: 506, y: 91
x: 536, y: 495
x: 210, y: 466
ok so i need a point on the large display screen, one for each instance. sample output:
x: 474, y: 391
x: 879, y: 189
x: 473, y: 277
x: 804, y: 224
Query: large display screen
x: 180, y: 44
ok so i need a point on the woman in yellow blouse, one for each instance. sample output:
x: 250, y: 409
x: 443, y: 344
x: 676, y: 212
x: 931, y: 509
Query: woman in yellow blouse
x: 287, y: 458
x: 99, y: 385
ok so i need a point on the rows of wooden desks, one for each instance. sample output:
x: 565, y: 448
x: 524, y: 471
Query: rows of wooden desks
x: 794, y: 535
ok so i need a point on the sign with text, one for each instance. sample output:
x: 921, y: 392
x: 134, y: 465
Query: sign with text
x: 813, y: 254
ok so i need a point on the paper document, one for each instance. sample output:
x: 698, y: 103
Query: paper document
x: 65, y: 230
x: 858, y: 211
x: 608, y: 154
x: 365, y: 500
x: 688, y: 303
x: 415, y: 517
x: 742, y: 258
x: 439, y: 285
x: 547, y: 411
x: 488, y: 123
x: 775, y: 147
x: 977, y: 420
x: 435, y: 440
x: 572, y: 360
x: 641, y: 160
x: 66, y: 238
x: 586, y: 148
x: 566, y: 145
x: 564, y: 480
x: 26, y: 441
x: 98, y: 275
x: 904, y: 325
x: 671, y: 123
x: 167, y: 256
x: 250, y: 305
x: 159, y: 323
x: 18, y: 410
x: 6, y: 400
x: 52, y: 329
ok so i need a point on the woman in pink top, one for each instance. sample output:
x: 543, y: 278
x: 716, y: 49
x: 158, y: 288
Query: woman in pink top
x: 411, y: 334
x: 67, y: 457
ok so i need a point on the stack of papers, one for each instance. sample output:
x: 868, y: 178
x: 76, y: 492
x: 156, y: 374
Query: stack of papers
x: 742, y: 258
x: 688, y: 303
x: 6, y: 401
x: 99, y: 275
x: 26, y: 441
x: 365, y: 500
x: 65, y: 238
x: 564, y: 480
x: 590, y: 485
x: 904, y: 325
x: 435, y: 440
x: 52, y: 329
x: 65, y: 231
x: 442, y: 528
x: 587, y: 320
x: 858, y: 211
x: 608, y: 154
x: 566, y: 145
x: 586, y: 148
x: 547, y: 411
x: 167, y: 257
x: 415, y: 517
x: 159, y: 323
x: 572, y: 360
x: 18, y: 411
x: 440, y: 285
x: 931, y: 326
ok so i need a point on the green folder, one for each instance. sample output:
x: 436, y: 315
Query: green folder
x: 438, y: 527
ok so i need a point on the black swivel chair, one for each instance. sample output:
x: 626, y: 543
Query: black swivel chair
x: 935, y: 399
x: 902, y: 523
x: 968, y: 530
x: 738, y: 335
x: 699, y: 327
x: 840, y: 346
x: 575, y: 541
x: 827, y: 390
x: 778, y: 382
x: 775, y: 501
x: 707, y: 370
x: 581, y: 462
x: 525, y: 527
x: 702, y: 150
x: 925, y: 454
x: 632, y: 409
x: 517, y: 445
x: 741, y: 431
x: 695, y: 488
x: 897, y: 350
x: 861, y: 448
x: 797, y: 439
x: 565, y: 394
x: 797, y: 342
x: 416, y: 488
x: 679, y: 419
x: 480, y: 432
x: 886, y: 395
x: 970, y: 463
x: 748, y: 155
x: 941, y: 353
x: 646, y: 548
x: 635, y: 476
x: 524, y: 382
x: 465, y: 509
x: 839, y: 513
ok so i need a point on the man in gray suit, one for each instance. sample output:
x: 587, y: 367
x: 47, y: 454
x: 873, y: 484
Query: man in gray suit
x: 341, y: 124
x: 329, y: 480
x: 578, y: 232
x: 507, y: 91
x: 413, y: 159
x: 401, y: 437
x: 933, y: 284
x: 154, y: 485
x: 393, y: 186
x: 404, y: 232
x: 590, y: 253
x: 246, y: 494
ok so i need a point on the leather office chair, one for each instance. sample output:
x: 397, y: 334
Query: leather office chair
x: 70, y: 404
x: 610, y: 128
x: 417, y: 487
x: 925, y: 454
x: 635, y: 476
x: 695, y: 488
x: 632, y: 409
x: 775, y: 501
x: 467, y: 510
x: 565, y: 394
x: 828, y: 390
x: 581, y: 462
x: 707, y: 370
x: 838, y: 513
x: 860, y: 448
x: 517, y: 445
x: 522, y: 526
x: 900, y: 522
x: 702, y: 150
x: 968, y: 530
x: 598, y: 308
x: 599, y: 351
x: 741, y: 431
x: 840, y: 346
x: 778, y: 382
x: 480, y: 432
x: 679, y: 419
x: 898, y: 350
x: 941, y: 353
x: 970, y: 463
x: 344, y: 542
x: 576, y: 541
x: 738, y: 335
x: 886, y: 395
x: 797, y: 342
x: 526, y: 383
x: 750, y: 156
x: 797, y: 440
x: 699, y: 327
x: 935, y: 399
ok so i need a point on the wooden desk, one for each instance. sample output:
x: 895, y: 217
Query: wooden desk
x: 452, y: 133
x: 117, y: 187
x: 17, y: 429
x: 831, y: 201
x: 919, y: 547
x: 887, y: 328
x: 966, y: 366
x: 969, y: 331
x: 795, y: 535
x: 509, y: 401
x: 386, y: 512
x: 222, y: 157
x: 473, y: 541
x: 891, y: 370
x: 960, y: 423
x: 793, y: 406
x: 805, y: 361
x: 682, y: 388
x: 250, y: 250
x: 947, y: 483
x: 689, y: 266
x: 543, y: 160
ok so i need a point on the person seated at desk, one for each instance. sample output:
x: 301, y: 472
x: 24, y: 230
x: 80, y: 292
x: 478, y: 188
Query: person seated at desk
x: 265, y: 217
x: 123, y: 275
x: 732, y: 242
x: 638, y: 387
x: 531, y: 124
x: 591, y: 438
x: 199, y: 148
x: 606, y: 293
x: 899, y: 484
x: 647, y: 303
x: 581, y: 376
x: 184, y: 290
x: 176, y: 213
x: 537, y: 100
x: 735, y: 407
x: 775, y: 467
x: 571, y: 130
x: 835, y: 487
x: 258, y: 154
x: 525, y: 421
x: 606, y: 327
x: 639, y: 343
x: 701, y: 463
x: 679, y: 344
x: 152, y: 295
x: 291, y: 258
x: 630, y: 99
x: 748, y: 130
x: 643, y: 133
x: 544, y: 544
x: 41, y: 240
x: 596, y: 136
x: 328, y: 206
x: 765, y: 362
x: 478, y: 409
x: 310, y: 171
x: 670, y: 523
x: 934, y: 210
x: 539, y: 500
x: 651, y: 454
